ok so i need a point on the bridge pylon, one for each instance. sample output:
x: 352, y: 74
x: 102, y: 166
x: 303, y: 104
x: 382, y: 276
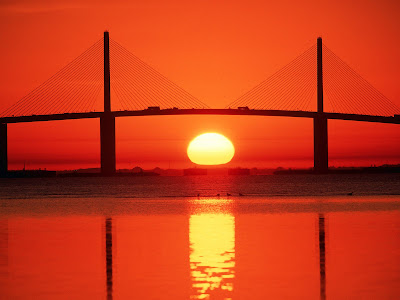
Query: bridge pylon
x: 3, y: 150
x: 107, y: 120
x: 320, y: 121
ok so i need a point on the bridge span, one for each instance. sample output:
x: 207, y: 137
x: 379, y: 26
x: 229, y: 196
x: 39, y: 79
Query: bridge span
x: 203, y: 111
x: 38, y: 105
x: 109, y: 136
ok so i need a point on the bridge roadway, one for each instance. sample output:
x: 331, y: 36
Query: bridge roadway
x: 207, y: 111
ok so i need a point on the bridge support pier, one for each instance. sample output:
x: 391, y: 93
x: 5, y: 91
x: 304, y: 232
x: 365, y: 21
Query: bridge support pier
x: 107, y: 120
x: 320, y: 144
x: 320, y: 121
x: 107, y: 144
x: 3, y: 150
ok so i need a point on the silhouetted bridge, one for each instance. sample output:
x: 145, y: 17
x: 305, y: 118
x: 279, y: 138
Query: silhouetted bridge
x: 142, y: 91
x: 203, y: 111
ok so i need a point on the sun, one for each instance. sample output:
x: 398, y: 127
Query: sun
x: 210, y: 149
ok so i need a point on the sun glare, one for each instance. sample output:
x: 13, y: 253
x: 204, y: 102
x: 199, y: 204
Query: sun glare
x: 210, y: 149
x: 212, y: 255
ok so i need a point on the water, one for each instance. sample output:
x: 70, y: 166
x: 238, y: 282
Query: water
x: 286, y: 237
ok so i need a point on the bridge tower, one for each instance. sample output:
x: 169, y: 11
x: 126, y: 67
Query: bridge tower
x: 320, y: 121
x: 107, y: 120
x: 3, y: 150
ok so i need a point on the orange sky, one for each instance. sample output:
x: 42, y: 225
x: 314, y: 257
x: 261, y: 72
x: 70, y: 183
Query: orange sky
x: 215, y: 51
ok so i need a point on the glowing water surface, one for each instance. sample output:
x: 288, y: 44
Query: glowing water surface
x: 227, y: 247
x: 212, y: 255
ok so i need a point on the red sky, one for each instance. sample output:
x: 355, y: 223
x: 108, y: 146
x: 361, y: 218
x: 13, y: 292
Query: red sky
x: 215, y: 51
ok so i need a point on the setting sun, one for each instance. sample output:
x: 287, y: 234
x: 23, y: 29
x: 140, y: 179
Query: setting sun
x: 210, y: 149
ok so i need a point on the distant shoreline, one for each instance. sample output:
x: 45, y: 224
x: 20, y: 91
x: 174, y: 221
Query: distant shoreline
x: 138, y: 172
x: 344, y: 170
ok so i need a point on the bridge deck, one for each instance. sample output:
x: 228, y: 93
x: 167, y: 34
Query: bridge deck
x: 227, y: 112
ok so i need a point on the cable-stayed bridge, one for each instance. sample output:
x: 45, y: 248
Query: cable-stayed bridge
x: 317, y: 84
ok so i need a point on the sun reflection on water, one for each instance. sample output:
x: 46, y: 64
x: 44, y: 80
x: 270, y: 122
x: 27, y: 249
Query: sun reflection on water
x: 212, y: 255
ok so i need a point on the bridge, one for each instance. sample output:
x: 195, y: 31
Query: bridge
x: 73, y: 92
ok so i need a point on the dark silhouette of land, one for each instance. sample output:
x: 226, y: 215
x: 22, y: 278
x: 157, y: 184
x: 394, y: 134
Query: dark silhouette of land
x: 199, y: 171
x: 345, y: 170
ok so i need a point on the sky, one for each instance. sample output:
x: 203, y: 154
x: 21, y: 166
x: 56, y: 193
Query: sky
x: 215, y: 50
